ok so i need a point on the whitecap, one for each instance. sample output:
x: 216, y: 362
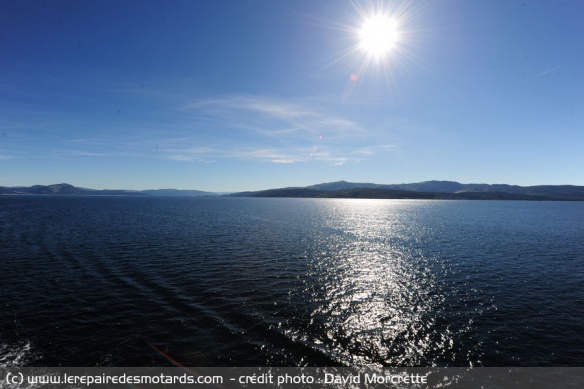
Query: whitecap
x: 15, y: 354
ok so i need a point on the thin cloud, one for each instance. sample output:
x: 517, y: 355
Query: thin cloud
x: 274, y: 131
x: 87, y: 153
x: 188, y: 158
x: 85, y: 140
x: 244, y: 128
x: 268, y: 130
x: 279, y: 155
x: 271, y: 117
x: 209, y: 154
x: 548, y: 71
x: 372, y: 150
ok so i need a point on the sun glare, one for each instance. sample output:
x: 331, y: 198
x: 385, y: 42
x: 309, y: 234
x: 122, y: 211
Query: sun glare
x: 381, y: 37
x: 378, y: 35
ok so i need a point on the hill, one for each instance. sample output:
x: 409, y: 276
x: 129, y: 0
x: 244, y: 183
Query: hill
x: 67, y: 189
x: 445, y: 190
x: 557, y: 192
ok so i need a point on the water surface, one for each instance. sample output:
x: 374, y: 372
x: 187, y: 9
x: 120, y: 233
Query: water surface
x: 132, y: 281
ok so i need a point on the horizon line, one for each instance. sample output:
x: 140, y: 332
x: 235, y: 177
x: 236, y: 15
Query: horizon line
x: 285, y: 187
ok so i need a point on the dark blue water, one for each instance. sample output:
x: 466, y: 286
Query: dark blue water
x: 133, y: 281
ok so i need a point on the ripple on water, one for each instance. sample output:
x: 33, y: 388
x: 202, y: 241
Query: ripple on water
x: 253, y: 282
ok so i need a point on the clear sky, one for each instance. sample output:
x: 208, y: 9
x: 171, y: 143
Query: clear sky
x: 246, y: 95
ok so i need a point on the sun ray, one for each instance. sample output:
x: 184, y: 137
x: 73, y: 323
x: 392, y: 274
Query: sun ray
x: 380, y: 37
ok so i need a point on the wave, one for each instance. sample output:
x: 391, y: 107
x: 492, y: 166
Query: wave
x: 20, y: 354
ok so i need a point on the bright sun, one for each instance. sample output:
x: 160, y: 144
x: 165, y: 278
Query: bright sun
x: 378, y: 35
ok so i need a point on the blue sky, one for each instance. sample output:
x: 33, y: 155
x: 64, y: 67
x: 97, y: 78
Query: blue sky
x: 248, y: 95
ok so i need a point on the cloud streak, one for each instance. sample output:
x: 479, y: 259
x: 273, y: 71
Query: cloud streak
x: 244, y: 128
x: 208, y: 154
x: 276, y: 118
x: 272, y: 130
x: 548, y: 71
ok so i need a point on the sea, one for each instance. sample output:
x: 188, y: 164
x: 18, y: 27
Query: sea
x: 216, y: 281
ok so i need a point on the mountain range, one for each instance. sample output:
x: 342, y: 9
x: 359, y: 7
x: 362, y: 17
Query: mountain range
x: 447, y: 190
x: 67, y: 189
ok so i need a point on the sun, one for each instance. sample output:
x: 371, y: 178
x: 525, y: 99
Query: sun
x: 381, y: 38
x: 378, y: 35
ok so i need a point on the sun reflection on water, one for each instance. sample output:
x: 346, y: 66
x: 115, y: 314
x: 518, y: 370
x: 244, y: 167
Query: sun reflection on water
x: 377, y: 298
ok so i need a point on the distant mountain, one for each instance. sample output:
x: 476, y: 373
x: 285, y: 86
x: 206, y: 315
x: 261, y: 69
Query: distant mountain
x: 379, y: 193
x: 342, y: 189
x: 64, y: 189
x: 67, y: 189
x: 429, y: 190
x: 177, y: 192
x: 339, y: 185
x: 428, y: 186
x: 42, y: 189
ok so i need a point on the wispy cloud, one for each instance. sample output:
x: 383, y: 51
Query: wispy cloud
x: 85, y: 140
x: 86, y: 153
x: 259, y: 154
x: 210, y: 154
x: 272, y: 117
x: 244, y: 128
x: 372, y: 150
x: 272, y: 130
x: 548, y: 71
